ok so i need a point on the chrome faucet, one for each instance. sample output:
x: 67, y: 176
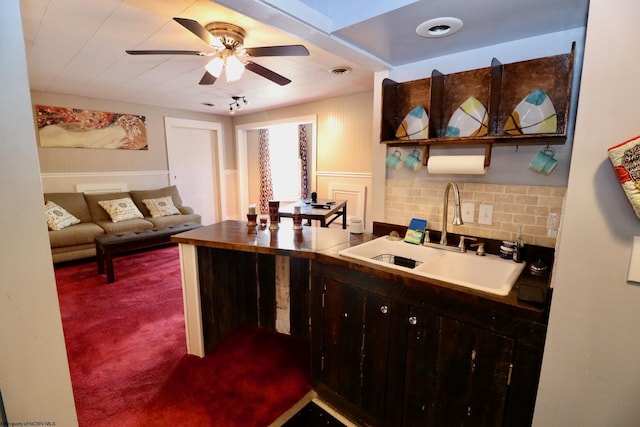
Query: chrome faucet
x: 457, y: 219
x: 462, y: 246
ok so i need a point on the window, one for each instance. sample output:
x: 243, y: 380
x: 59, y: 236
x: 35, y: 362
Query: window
x: 285, y: 161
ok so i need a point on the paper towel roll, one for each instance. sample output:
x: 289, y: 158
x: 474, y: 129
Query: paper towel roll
x: 469, y: 165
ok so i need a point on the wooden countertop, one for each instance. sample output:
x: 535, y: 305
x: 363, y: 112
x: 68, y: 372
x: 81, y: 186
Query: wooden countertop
x: 324, y: 244
x: 236, y: 235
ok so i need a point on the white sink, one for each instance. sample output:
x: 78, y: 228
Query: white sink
x: 488, y: 273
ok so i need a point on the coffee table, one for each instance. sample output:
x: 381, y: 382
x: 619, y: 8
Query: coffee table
x: 112, y: 244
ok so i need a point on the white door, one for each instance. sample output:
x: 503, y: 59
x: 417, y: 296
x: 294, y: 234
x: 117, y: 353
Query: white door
x: 194, y: 155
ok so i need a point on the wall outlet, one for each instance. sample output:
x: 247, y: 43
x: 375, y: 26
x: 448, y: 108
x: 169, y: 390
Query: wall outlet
x: 485, y: 214
x: 468, y: 212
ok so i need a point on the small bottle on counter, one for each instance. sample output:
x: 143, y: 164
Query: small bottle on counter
x: 518, y: 247
x: 507, y: 249
x: 297, y: 218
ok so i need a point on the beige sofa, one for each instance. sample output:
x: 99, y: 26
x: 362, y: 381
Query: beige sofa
x: 77, y: 241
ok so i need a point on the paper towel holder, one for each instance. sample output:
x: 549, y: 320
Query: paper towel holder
x: 487, y: 154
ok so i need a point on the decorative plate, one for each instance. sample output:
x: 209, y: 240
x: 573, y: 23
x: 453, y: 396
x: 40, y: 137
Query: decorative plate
x: 534, y: 114
x: 469, y: 119
x: 415, y: 125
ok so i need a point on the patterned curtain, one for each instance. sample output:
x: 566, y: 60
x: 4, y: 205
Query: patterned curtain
x: 304, y: 169
x: 266, y: 185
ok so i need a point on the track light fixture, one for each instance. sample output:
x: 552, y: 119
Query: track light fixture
x: 237, y: 104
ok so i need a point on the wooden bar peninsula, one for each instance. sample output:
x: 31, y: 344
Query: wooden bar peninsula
x: 388, y: 348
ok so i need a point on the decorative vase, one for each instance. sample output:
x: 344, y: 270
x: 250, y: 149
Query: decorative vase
x: 274, y: 215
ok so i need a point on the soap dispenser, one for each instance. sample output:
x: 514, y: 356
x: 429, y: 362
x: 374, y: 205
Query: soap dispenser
x: 518, y: 247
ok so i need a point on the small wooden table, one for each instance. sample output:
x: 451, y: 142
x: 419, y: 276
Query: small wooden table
x: 325, y: 211
x: 112, y: 244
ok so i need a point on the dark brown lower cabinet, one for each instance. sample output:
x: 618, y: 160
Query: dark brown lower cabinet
x: 387, y: 357
x: 386, y: 351
x: 355, y: 340
x: 455, y: 374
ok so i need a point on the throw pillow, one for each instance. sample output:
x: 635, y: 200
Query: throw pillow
x: 120, y: 209
x: 58, y: 217
x: 162, y: 206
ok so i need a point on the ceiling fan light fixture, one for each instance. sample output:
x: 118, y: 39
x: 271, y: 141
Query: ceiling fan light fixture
x: 439, y: 27
x: 229, y: 35
x: 234, y: 68
x: 228, y: 41
x: 214, y: 67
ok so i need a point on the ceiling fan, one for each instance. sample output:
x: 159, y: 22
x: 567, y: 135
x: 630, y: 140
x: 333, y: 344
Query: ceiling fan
x: 230, y: 53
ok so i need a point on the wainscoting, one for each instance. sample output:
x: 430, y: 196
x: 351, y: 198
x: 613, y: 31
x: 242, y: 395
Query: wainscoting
x: 353, y: 187
x: 103, y: 181
x: 355, y: 194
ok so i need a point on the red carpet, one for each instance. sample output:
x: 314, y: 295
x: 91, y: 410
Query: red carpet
x: 128, y: 362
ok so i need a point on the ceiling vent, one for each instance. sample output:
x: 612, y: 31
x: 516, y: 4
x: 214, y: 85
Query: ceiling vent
x: 439, y: 27
x: 340, y: 71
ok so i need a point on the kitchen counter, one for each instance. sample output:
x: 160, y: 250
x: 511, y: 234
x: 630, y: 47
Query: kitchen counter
x: 288, y: 281
x: 323, y: 244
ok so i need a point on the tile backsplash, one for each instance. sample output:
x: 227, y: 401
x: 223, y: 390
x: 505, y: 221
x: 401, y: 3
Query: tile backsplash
x: 513, y: 206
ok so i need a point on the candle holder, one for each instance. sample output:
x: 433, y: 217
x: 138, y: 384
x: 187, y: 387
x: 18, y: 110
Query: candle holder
x: 251, y: 220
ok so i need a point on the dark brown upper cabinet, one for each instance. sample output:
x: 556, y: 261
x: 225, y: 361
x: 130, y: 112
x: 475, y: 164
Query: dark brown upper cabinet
x: 500, y: 88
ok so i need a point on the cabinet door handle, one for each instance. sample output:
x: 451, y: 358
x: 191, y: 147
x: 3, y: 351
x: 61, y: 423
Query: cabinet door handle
x: 413, y: 320
x: 384, y: 309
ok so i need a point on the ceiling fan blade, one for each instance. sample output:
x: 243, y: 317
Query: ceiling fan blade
x: 196, y: 28
x: 207, y: 79
x: 267, y: 73
x: 168, y: 52
x: 288, y: 50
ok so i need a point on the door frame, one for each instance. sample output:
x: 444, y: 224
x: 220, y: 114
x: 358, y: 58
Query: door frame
x: 220, y: 193
x: 241, y: 153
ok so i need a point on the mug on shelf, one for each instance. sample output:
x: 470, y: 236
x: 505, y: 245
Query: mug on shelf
x: 394, y: 160
x: 412, y: 161
x: 544, y: 162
